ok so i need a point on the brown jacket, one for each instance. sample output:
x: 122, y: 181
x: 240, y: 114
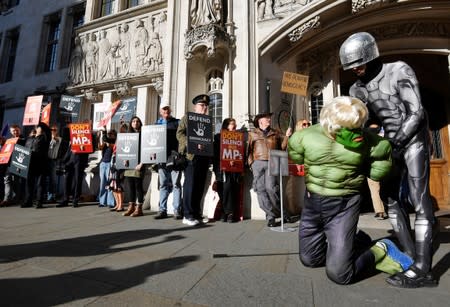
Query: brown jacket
x: 259, y: 145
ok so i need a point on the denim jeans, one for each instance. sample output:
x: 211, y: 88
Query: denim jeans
x: 105, y: 197
x: 169, y: 181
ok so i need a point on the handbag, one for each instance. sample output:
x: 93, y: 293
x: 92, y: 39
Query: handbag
x: 176, y: 161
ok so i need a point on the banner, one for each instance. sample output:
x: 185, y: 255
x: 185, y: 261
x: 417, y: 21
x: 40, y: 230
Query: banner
x: 232, y: 151
x: 109, y: 113
x: 127, y: 150
x: 69, y: 108
x: 81, y: 138
x: 20, y: 160
x: 153, y: 144
x: 125, y: 111
x: 32, y: 110
x: 200, y: 135
x: 45, y: 115
x: 7, y: 149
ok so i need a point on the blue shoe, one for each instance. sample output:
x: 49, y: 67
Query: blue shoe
x: 395, y: 260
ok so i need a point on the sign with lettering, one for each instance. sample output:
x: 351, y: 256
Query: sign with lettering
x: 20, y: 160
x: 125, y: 111
x: 32, y: 110
x: 232, y: 151
x: 294, y: 83
x: 200, y: 135
x: 127, y: 150
x: 81, y: 138
x: 69, y: 108
x: 7, y: 150
x: 109, y: 113
x: 153, y: 144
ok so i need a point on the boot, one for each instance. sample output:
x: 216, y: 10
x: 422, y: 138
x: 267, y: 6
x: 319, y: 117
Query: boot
x: 138, y: 211
x: 130, y: 210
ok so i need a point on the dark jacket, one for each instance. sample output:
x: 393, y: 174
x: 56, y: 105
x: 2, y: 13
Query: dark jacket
x: 260, y: 143
x: 172, y: 126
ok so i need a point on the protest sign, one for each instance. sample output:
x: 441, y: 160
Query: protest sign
x: 125, y: 111
x: 20, y: 160
x: 294, y: 83
x: 32, y: 110
x: 153, y: 144
x: 232, y: 151
x: 69, y: 108
x: 45, y: 115
x: 7, y: 149
x: 127, y: 150
x: 199, y: 135
x: 81, y: 138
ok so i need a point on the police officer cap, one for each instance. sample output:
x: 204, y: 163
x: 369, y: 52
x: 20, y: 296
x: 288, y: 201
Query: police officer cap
x: 201, y: 98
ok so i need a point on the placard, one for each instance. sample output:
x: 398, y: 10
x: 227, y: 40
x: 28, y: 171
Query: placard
x: 125, y: 111
x: 153, y: 144
x: 32, y: 110
x: 20, y: 160
x: 232, y: 151
x: 45, y: 115
x: 81, y: 138
x: 127, y: 150
x: 200, y: 135
x: 7, y: 150
x: 294, y: 83
x: 104, y: 121
x: 69, y: 107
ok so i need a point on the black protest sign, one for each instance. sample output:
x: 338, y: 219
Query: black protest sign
x: 153, y: 144
x: 126, y: 110
x: 200, y: 135
x: 127, y: 150
x: 69, y: 108
x: 20, y: 160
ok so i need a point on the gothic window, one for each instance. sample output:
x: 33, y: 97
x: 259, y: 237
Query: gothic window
x: 215, y: 86
x: 9, y: 55
x: 316, y: 107
x: 107, y: 7
x: 53, y: 26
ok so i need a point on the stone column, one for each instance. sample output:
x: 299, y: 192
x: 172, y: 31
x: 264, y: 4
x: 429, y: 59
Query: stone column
x: 142, y: 99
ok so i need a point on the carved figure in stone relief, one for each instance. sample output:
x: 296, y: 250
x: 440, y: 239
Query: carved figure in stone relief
x: 105, y: 57
x: 141, y: 46
x: 205, y: 12
x: 265, y: 9
x: 76, y: 75
x: 154, y: 51
x: 91, y: 58
x: 124, y: 50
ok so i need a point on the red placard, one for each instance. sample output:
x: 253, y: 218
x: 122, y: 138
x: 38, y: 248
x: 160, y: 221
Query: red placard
x: 232, y: 151
x: 32, y: 110
x: 110, y: 113
x: 7, y: 149
x: 45, y: 115
x: 81, y: 138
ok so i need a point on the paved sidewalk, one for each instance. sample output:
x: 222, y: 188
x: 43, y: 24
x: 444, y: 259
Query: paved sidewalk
x: 88, y: 256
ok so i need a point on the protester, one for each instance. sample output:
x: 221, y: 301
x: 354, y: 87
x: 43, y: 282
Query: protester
x: 169, y: 176
x: 39, y: 166
x: 228, y: 183
x: 338, y: 156
x: 391, y: 92
x: 115, y: 178
x: 106, y: 145
x: 135, y: 177
x: 261, y: 140
x: 196, y: 169
x: 56, y: 150
x: 14, y: 186
x: 74, y: 166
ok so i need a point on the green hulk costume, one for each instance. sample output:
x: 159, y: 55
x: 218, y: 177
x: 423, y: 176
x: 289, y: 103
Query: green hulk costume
x: 335, y: 171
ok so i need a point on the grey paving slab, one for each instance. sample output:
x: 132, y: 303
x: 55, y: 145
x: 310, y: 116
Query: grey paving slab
x: 89, y: 256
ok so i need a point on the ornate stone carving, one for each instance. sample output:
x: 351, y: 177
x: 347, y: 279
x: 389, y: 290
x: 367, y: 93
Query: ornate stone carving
x: 359, y: 5
x: 205, y: 12
x: 122, y: 89
x: 210, y: 36
x: 158, y: 85
x: 90, y: 94
x: 298, y: 33
x: 265, y: 9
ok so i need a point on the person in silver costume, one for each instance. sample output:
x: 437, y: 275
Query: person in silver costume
x: 391, y: 92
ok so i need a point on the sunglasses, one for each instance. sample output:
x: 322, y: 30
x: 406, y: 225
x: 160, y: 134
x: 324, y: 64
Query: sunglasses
x: 306, y: 124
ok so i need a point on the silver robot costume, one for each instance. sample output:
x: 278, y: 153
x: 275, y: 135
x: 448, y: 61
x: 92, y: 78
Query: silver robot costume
x: 391, y: 92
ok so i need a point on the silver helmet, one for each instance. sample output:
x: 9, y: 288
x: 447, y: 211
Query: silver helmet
x: 358, y: 49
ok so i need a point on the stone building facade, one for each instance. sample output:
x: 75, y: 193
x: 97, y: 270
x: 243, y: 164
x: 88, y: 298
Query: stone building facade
x: 165, y: 52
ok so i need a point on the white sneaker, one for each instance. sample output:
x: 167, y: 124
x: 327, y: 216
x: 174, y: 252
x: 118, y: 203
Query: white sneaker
x: 190, y: 222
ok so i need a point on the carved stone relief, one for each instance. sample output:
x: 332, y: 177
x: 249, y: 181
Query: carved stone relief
x: 270, y: 9
x: 298, y: 33
x: 122, y: 50
x: 359, y: 5
x: 205, y: 12
x: 210, y: 36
